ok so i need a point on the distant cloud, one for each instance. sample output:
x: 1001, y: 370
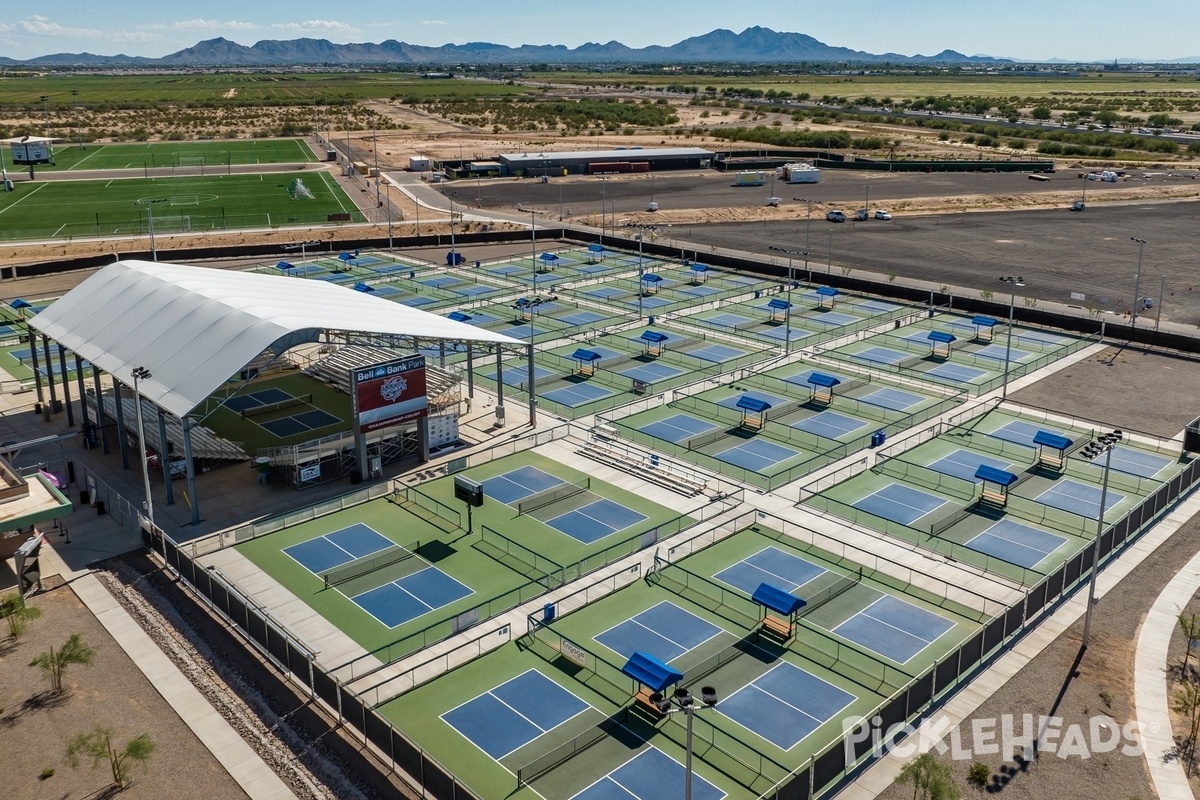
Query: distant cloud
x: 323, y: 25
x: 434, y: 22
x: 201, y: 24
x: 38, y: 25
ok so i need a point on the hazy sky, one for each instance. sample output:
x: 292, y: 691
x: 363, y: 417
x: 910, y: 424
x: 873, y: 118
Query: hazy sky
x: 1093, y: 30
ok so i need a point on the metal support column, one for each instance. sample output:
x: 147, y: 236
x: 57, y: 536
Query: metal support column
x: 83, y: 410
x: 66, y: 387
x: 532, y: 392
x: 470, y: 371
x: 423, y: 437
x: 37, y: 375
x: 191, y: 471
x: 500, y: 386
x: 49, y: 374
x: 121, y: 435
x: 164, y: 456
x: 99, y: 409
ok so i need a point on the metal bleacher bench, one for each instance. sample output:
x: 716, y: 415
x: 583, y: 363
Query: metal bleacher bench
x: 642, y: 468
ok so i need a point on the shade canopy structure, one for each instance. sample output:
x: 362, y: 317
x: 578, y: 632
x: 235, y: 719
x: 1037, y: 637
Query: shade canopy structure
x: 650, y: 672
x: 194, y: 327
x: 586, y: 356
x: 983, y: 322
x: 653, y: 337
x: 997, y: 476
x: 823, y: 380
x: 941, y: 337
x: 750, y: 403
x: 777, y: 599
x: 779, y: 305
x: 458, y: 316
x: 548, y: 257
x: 1047, y: 439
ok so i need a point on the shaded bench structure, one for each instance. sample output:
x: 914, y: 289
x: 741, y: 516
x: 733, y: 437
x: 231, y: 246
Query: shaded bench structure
x: 985, y: 328
x: 822, y: 387
x: 595, y: 253
x: 1051, y: 450
x: 996, y: 483
x: 585, y: 361
x: 652, y: 676
x: 781, y: 611
x: 826, y: 296
x: 655, y: 343
x: 548, y: 262
x: 779, y: 309
x: 459, y: 316
x: 699, y: 273
x: 650, y: 283
x: 754, y: 412
x: 939, y: 344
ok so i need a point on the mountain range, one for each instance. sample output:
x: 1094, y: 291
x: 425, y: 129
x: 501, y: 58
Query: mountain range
x: 751, y: 45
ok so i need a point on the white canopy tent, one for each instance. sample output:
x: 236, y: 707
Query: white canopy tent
x: 192, y: 328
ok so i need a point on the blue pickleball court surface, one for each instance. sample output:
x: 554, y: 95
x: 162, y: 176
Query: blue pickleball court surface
x: 955, y: 372
x: 1078, y: 498
x: 773, y: 400
x: 831, y: 318
x: 899, y: 503
x: 665, y: 631
x: 801, y: 378
x: 1021, y: 432
x: 785, y: 704
x: 771, y: 565
x: 514, y: 713
x: 996, y: 353
x: 577, y: 394
x: 964, y: 464
x: 595, y: 520
x: 716, y: 353
x: 517, y: 484
x: 727, y: 320
x: 1016, y: 543
x: 893, y: 399
x: 645, y: 777
x: 882, y: 355
x: 781, y: 331
x: 241, y: 402
x: 412, y: 596
x: 677, y: 428
x: 1133, y: 462
x: 582, y: 318
x: 894, y: 628
x: 756, y: 455
x: 322, y: 553
x: 649, y: 373
x: 830, y: 425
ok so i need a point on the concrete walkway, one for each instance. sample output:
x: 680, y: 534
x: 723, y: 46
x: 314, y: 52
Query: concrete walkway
x: 226, y: 745
x: 1151, y: 701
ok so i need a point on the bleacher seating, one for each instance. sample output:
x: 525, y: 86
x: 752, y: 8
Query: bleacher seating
x: 642, y: 467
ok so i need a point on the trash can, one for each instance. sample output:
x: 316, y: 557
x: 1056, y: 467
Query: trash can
x: 84, y: 497
x: 101, y: 510
x: 263, y: 465
x: 653, y: 460
x: 548, y: 612
x: 651, y: 319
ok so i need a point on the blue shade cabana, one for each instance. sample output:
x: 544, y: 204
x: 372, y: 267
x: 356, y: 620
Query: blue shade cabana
x: 595, y: 253
x: 779, y: 309
x: 524, y: 307
x: 459, y: 316
x: 1052, y: 450
x: 754, y: 411
x: 362, y: 287
x: 826, y: 296
x: 655, y: 343
x: 996, y: 483
x: 346, y: 258
x: 586, y: 360
x: 549, y: 262
x: 652, y: 676
x: 780, y: 610
x: 699, y: 273
x: 285, y: 267
x: 939, y: 343
x: 822, y: 387
x: 985, y: 328
x: 650, y: 283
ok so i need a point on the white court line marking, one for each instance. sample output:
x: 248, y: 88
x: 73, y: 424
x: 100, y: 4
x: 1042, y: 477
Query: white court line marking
x: 22, y: 199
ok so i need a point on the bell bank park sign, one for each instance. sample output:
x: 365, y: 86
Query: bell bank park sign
x: 390, y: 393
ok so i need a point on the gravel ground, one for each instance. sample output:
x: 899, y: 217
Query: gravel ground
x: 1102, y: 682
x: 35, y: 728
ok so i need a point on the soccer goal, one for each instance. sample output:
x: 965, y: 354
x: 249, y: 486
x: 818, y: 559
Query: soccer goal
x: 298, y: 191
x: 188, y: 165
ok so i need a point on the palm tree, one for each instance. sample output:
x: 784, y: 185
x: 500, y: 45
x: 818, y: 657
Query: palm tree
x: 98, y: 744
x: 54, y: 664
x: 14, y: 609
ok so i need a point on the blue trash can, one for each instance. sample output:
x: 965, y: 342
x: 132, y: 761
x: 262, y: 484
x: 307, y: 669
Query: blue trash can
x: 651, y: 320
x: 653, y: 460
x: 880, y: 437
x: 548, y: 612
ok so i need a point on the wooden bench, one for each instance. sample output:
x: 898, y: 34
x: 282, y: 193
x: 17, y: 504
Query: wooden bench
x: 753, y: 423
x: 1051, y: 460
x: 643, y: 699
x: 993, y: 497
x: 777, y: 627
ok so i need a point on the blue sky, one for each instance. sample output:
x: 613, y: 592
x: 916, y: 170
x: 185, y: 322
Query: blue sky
x: 1030, y: 29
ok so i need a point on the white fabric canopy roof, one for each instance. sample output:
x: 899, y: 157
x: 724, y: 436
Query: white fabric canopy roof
x: 194, y: 327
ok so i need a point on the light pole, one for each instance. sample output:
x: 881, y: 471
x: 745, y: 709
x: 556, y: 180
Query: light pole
x: 141, y: 374
x: 149, y: 203
x: 78, y: 127
x: 375, y: 147
x: 787, y: 316
x: 1137, y: 281
x: 1012, y: 300
x: 1091, y: 451
x: 683, y: 701
x: 641, y: 272
x: 46, y: 109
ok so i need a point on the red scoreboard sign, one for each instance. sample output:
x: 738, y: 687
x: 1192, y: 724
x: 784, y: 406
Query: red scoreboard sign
x: 390, y: 393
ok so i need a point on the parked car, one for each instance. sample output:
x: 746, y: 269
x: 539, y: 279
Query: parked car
x: 883, y: 213
x: 836, y: 216
x: 862, y: 214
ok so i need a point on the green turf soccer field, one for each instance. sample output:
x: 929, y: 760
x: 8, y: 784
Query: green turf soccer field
x: 120, y: 207
x: 184, y: 155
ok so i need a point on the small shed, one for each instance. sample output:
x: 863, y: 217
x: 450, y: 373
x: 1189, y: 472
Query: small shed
x: 754, y: 411
x: 655, y: 343
x: 1052, y: 450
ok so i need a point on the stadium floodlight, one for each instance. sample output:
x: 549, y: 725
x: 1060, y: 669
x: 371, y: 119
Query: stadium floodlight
x: 787, y: 313
x: 1012, y: 300
x: 141, y: 374
x: 684, y: 701
x: 1102, y: 446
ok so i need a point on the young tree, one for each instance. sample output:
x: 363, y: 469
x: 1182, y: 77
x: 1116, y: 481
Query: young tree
x: 930, y: 779
x: 55, y: 663
x: 1189, y: 625
x: 99, y: 745
x: 14, y: 609
x: 1187, y: 703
